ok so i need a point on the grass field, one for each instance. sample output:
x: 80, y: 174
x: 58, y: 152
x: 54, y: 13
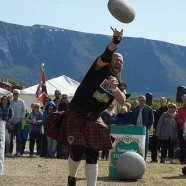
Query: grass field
x: 25, y: 171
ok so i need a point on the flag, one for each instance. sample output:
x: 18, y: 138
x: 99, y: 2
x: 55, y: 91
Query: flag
x: 41, y: 92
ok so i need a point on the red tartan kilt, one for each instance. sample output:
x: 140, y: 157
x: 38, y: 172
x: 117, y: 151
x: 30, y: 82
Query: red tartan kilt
x: 52, y: 125
x: 76, y: 130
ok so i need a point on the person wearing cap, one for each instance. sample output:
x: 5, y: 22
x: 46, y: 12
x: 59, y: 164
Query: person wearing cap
x: 83, y: 129
x: 19, y: 108
x: 35, y: 130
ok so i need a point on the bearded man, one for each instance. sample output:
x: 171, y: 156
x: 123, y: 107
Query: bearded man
x: 83, y: 129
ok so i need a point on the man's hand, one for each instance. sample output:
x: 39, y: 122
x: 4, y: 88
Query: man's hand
x: 118, y: 95
x: 117, y: 35
x: 113, y: 82
x: 106, y: 57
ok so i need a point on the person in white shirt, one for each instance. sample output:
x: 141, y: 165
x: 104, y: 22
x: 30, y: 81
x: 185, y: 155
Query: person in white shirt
x: 18, y: 106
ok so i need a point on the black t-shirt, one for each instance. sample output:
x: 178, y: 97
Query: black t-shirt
x: 94, y: 93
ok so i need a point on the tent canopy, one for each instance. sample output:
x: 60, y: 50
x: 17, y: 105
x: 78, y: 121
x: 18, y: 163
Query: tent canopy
x: 63, y: 83
x: 4, y: 92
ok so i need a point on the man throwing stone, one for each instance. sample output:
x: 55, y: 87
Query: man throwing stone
x: 83, y: 129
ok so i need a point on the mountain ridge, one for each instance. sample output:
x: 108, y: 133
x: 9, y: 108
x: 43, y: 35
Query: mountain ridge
x: 150, y: 65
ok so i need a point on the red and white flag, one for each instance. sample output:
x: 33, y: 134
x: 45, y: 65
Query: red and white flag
x: 41, y: 92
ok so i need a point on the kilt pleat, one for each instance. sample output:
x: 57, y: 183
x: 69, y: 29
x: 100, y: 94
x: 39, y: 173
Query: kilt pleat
x: 76, y: 130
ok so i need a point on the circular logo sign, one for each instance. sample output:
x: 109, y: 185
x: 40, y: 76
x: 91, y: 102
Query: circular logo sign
x: 127, y: 139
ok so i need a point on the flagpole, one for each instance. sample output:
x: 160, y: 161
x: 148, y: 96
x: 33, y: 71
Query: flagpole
x: 42, y: 66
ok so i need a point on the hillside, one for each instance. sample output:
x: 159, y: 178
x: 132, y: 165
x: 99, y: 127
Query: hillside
x: 150, y: 66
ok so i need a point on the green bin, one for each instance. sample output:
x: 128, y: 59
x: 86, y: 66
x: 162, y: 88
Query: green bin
x: 127, y: 138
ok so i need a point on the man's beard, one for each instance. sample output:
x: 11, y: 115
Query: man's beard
x: 114, y: 71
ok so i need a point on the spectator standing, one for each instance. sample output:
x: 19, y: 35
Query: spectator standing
x: 64, y: 103
x: 35, y: 121
x: 109, y: 117
x: 167, y: 132
x: 184, y: 136
x: 25, y: 130
x: 124, y: 116
x: 51, y: 143
x: 128, y: 105
x: 6, y: 114
x: 18, y: 106
x: 57, y: 101
x: 142, y: 115
x: 154, y: 143
x: 57, y: 98
x: 24, y: 134
x: 181, y: 118
x: 63, y: 150
x: 134, y: 104
x: 44, y: 136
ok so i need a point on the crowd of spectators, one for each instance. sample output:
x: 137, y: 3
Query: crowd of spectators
x: 166, y: 125
x: 23, y: 127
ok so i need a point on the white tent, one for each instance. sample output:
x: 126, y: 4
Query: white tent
x: 63, y: 83
x: 4, y: 92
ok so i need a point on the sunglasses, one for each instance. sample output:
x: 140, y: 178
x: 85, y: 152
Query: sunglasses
x: 4, y: 100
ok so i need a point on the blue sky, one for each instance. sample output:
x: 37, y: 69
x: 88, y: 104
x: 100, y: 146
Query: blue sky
x: 163, y: 20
